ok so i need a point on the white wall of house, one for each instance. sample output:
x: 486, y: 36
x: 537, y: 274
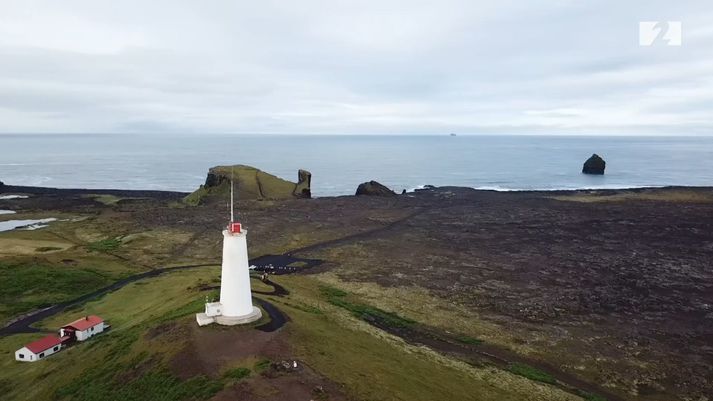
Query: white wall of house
x: 86, y: 334
x: 25, y: 355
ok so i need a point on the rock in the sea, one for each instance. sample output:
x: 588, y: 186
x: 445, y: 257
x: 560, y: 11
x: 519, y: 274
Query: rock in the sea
x: 250, y: 183
x: 594, y: 165
x: 427, y: 187
x: 373, y: 188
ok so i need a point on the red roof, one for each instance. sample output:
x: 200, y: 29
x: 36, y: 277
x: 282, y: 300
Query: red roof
x: 85, y: 322
x: 43, y: 344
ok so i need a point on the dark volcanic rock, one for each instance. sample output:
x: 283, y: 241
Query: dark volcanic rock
x: 373, y: 188
x: 304, y: 181
x: 427, y: 187
x: 594, y: 165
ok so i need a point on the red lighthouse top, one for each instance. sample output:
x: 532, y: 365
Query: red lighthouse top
x: 234, y: 228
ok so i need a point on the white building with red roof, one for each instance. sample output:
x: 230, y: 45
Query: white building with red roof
x: 39, y: 349
x: 79, y: 330
x: 84, y: 328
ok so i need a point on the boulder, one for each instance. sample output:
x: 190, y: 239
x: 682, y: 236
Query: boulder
x: 373, y: 188
x: 594, y: 165
x: 249, y: 183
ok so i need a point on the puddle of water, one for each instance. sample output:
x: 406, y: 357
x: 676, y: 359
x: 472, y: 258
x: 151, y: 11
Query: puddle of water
x: 7, y: 211
x: 2, y: 197
x: 25, y: 224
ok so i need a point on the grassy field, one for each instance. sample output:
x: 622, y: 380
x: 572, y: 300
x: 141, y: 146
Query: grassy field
x: 53, y: 276
x: 377, y: 366
x: 125, y: 364
x: 131, y: 311
x: 677, y: 196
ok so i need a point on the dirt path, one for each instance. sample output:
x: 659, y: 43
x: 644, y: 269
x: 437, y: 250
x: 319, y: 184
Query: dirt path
x: 353, y: 237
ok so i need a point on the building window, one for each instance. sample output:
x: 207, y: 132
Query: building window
x: 22, y: 356
x: 41, y: 355
x: 55, y: 348
x: 92, y: 328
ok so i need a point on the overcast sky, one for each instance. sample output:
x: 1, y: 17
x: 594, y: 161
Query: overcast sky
x: 354, y: 67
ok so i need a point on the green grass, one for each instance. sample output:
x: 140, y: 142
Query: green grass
x: 370, y: 366
x: 262, y: 365
x: 104, y: 245
x: 108, y: 382
x: 468, y: 340
x: 33, y: 285
x: 127, y: 374
x: 196, y: 197
x: 120, y: 376
x: 331, y: 292
x: 338, y: 297
x: 195, y: 306
x: 531, y: 373
x: 237, y: 373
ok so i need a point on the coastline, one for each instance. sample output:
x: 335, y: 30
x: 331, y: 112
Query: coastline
x: 176, y: 195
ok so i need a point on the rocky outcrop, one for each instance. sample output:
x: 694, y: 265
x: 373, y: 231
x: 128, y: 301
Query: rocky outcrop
x: 304, y: 182
x: 427, y: 187
x: 594, y: 165
x: 250, y: 183
x: 373, y: 188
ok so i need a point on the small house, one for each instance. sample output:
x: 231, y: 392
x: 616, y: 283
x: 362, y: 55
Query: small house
x: 39, y: 349
x: 84, y: 328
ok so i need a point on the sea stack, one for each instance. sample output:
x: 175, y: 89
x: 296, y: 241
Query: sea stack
x: 373, y: 188
x: 235, y: 306
x: 594, y: 165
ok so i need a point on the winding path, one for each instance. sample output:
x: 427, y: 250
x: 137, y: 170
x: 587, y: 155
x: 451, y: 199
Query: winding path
x: 22, y: 324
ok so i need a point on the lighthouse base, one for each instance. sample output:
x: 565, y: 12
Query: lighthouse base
x: 204, y: 319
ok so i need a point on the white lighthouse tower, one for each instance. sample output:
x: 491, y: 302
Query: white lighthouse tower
x: 235, y: 306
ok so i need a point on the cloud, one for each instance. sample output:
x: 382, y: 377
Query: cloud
x: 353, y: 67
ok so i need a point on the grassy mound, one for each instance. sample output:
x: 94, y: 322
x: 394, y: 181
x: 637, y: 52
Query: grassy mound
x: 250, y: 183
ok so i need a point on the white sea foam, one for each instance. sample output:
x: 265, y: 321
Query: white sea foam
x: 2, y: 211
x: 4, y: 197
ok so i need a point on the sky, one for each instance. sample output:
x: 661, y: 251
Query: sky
x: 354, y: 67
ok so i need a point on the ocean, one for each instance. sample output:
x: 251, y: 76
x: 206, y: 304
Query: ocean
x: 339, y: 163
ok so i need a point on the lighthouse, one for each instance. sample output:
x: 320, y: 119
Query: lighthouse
x: 235, y: 306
